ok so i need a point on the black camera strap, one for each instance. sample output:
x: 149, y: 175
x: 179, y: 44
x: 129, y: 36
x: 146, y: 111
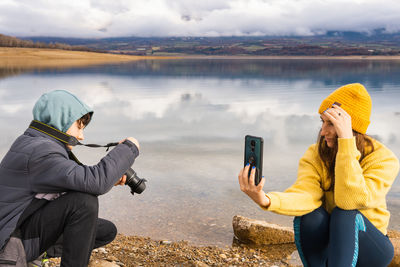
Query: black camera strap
x: 63, y: 137
x: 136, y: 187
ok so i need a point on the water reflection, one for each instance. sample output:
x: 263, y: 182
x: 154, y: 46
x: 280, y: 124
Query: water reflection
x: 329, y: 72
x: 191, y: 117
x: 5, y: 72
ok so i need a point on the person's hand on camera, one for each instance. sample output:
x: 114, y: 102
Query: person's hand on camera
x: 121, y: 181
x: 133, y: 140
x: 248, y: 186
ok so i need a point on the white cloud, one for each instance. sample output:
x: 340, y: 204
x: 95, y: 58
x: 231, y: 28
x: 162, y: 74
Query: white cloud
x: 102, y: 18
x: 11, y: 109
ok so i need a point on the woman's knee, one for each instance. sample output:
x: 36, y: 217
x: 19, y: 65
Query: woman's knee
x: 317, y: 219
x: 340, y: 213
x: 345, y: 220
x: 312, y: 236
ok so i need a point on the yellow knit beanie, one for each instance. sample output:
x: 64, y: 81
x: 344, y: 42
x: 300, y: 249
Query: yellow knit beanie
x: 355, y: 100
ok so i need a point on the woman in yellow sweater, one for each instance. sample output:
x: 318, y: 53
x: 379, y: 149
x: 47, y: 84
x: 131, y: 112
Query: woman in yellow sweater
x: 339, y: 195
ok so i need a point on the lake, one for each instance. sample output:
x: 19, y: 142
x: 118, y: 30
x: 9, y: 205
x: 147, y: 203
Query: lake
x: 190, y: 117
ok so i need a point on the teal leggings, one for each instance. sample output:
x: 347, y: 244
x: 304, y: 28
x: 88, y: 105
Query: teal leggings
x: 342, y: 238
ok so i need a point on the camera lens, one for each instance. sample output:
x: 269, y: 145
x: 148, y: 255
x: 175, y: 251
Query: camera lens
x: 136, y: 184
x: 252, y: 160
x: 253, y: 143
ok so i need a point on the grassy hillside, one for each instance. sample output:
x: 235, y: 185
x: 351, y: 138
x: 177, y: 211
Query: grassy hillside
x: 42, y: 58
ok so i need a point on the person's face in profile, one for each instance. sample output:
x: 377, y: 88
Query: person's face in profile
x: 328, y: 131
x: 76, y: 130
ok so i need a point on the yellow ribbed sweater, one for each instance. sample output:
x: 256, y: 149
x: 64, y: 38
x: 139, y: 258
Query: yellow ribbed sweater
x: 362, y: 186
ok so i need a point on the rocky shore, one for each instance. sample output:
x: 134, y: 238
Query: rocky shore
x: 142, y: 251
x: 138, y: 251
x: 261, y: 244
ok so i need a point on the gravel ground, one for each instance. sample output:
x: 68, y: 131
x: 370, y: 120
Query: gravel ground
x: 141, y: 251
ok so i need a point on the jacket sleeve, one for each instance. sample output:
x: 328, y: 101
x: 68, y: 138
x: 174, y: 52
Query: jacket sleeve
x: 365, y: 185
x: 305, y: 195
x: 52, y: 171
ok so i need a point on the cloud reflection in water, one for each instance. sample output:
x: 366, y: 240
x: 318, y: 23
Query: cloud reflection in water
x: 191, y: 118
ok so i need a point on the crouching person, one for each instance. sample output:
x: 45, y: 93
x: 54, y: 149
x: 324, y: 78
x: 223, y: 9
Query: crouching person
x: 48, y: 199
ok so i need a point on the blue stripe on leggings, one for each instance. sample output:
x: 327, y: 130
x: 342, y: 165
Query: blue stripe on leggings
x: 359, y: 226
x: 296, y: 227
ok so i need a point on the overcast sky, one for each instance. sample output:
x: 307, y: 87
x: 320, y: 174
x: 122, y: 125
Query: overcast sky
x: 112, y: 18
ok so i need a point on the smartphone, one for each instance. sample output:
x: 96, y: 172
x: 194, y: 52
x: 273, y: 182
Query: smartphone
x: 253, y: 154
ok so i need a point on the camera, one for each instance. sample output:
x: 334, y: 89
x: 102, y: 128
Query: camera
x: 136, y: 183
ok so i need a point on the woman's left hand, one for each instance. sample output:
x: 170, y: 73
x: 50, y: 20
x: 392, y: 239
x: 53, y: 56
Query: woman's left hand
x: 341, y: 120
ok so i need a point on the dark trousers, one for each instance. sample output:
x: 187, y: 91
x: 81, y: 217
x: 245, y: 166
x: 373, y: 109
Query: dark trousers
x: 342, y: 238
x: 68, y: 225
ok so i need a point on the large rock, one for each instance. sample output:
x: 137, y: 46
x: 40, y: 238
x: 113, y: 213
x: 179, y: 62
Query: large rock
x: 257, y: 232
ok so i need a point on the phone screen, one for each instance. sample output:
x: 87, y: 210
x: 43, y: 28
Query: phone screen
x: 253, y: 154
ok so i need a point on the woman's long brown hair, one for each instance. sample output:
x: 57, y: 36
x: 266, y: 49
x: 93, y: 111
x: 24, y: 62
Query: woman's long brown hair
x: 328, y: 155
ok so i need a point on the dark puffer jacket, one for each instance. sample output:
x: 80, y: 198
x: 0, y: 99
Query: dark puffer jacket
x: 37, y: 163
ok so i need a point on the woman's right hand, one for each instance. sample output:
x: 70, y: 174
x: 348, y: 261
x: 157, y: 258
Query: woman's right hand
x: 248, y: 186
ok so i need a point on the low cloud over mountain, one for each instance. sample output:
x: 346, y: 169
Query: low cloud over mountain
x: 102, y: 18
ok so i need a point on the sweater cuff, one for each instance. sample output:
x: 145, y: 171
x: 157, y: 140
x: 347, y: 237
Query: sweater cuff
x: 347, y: 145
x: 274, y: 203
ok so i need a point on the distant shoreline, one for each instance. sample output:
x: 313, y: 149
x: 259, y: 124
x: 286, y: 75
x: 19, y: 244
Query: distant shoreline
x: 292, y: 57
x: 28, y: 58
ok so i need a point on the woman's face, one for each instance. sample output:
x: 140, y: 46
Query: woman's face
x: 328, y: 131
